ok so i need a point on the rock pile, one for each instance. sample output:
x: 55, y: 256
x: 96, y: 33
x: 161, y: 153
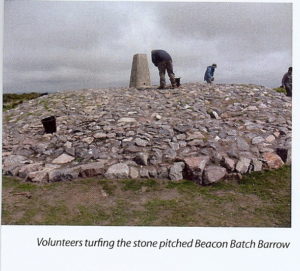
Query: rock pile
x: 200, y: 132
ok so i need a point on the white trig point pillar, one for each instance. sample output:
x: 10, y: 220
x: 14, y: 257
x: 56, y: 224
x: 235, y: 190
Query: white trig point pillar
x: 140, y: 75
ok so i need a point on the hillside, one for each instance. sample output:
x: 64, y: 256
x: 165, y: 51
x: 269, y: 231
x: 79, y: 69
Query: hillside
x: 198, y: 132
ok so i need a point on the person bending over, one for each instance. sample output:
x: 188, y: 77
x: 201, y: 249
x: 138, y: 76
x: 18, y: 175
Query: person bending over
x: 209, y: 73
x: 163, y: 61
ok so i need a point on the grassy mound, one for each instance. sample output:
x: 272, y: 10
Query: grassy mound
x: 11, y: 100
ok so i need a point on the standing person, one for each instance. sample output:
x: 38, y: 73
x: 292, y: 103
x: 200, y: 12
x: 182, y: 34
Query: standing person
x: 209, y: 73
x: 287, y: 82
x: 163, y: 61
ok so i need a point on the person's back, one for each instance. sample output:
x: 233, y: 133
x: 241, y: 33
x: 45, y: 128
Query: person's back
x: 287, y: 79
x: 160, y: 56
x: 209, y: 73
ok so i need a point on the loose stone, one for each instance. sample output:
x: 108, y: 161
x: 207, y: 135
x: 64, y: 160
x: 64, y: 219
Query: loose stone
x: 144, y: 173
x: 117, y: 171
x: 100, y: 135
x: 175, y: 173
x: 58, y: 175
x: 88, y: 140
x: 229, y: 163
x: 141, y: 142
x: 257, y: 164
x: 133, y: 173
x: 213, y: 174
x: 242, y: 165
x: 127, y: 120
x: 270, y: 138
x: 257, y: 140
x: 63, y: 159
x: 92, y: 169
x: 273, y: 161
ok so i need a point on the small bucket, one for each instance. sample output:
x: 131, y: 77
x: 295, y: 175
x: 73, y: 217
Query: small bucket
x: 177, y: 80
x: 49, y: 125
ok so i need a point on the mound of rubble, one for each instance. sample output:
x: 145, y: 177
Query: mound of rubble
x: 200, y: 132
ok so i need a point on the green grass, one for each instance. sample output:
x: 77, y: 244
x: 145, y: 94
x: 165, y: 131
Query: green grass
x: 178, y: 212
x: 264, y: 184
x: 135, y: 185
x: 45, y: 104
x: 280, y: 90
x: 18, y: 186
x: 260, y: 199
x: 91, y: 215
x: 107, y: 186
x: 11, y: 100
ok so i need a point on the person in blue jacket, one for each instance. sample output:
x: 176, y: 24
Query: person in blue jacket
x: 163, y: 61
x: 209, y: 74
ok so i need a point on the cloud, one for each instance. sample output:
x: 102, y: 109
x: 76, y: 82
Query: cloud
x: 51, y: 46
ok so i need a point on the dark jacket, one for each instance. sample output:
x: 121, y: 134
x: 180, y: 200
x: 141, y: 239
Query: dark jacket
x: 209, y: 73
x: 160, y: 56
x: 287, y: 79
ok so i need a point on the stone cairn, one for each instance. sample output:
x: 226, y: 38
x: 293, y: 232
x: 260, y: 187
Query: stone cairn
x: 140, y: 75
x: 200, y: 132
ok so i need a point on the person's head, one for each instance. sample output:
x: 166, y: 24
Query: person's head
x: 214, y: 65
x: 290, y: 70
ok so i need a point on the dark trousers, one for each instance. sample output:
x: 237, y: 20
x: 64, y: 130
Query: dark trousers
x: 162, y: 68
x: 288, y: 89
x: 209, y: 80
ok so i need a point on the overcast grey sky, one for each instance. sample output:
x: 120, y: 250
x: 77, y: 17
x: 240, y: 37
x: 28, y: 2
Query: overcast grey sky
x: 52, y: 46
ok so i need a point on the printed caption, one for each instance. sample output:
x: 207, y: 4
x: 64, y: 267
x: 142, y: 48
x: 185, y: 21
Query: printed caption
x: 161, y: 244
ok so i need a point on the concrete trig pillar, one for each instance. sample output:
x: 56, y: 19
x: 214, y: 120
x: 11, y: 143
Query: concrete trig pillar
x: 140, y: 75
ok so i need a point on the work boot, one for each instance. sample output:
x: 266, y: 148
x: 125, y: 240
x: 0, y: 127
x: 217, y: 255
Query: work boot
x: 161, y: 87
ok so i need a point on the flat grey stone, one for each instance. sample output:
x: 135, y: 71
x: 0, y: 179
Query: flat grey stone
x: 242, y: 165
x: 270, y: 138
x: 196, y: 163
x: 127, y: 120
x: 257, y: 164
x: 13, y: 161
x: 144, y: 173
x: 175, y: 173
x: 213, y: 174
x: 41, y: 176
x: 228, y: 163
x: 195, y: 135
x: 257, y: 140
x: 170, y: 154
x: 242, y: 144
x: 59, y: 175
x: 141, y: 142
x: 26, y: 169
x: 117, y: 171
x: 63, y: 159
x: 133, y: 173
x: 100, y: 135
x: 92, y: 169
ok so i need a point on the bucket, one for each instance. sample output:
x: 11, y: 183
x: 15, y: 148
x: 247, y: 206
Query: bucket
x: 177, y: 80
x: 49, y: 125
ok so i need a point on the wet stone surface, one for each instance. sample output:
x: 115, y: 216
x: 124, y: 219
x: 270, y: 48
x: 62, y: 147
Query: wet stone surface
x: 149, y: 133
